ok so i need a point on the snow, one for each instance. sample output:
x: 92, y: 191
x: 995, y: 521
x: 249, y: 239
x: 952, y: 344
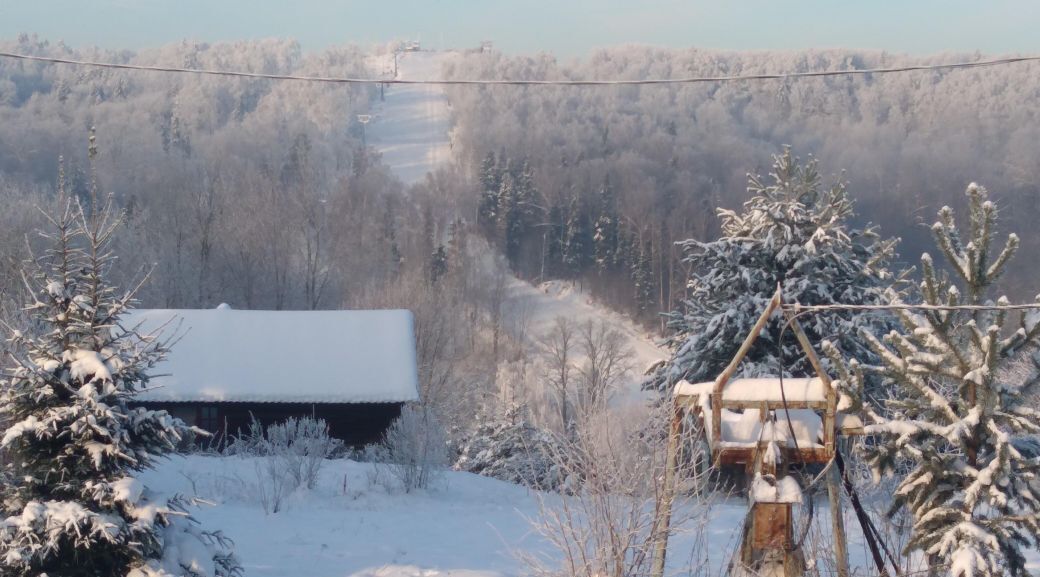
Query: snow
x: 350, y: 526
x: 88, y: 366
x: 761, y: 389
x: 767, y: 489
x: 470, y: 526
x: 283, y: 356
x: 744, y: 429
x: 849, y: 422
x: 531, y: 312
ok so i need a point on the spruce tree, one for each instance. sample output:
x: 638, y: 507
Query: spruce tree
x: 962, y: 406
x: 643, y: 279
x: 793, y: 232
x: 490, y: 183
x: 438, y: 264
x: 577, y: 246
x: 605, y: 235
x: 73, y: 506
x: 510, y: 218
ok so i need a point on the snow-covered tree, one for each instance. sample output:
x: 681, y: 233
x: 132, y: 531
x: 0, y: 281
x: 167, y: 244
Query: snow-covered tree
x: 962, y: 407
x: 605, y: 234
x: 490, y: 183
x: 793, y: 232
x: 577, y: 243
x: 74, y: 442
x: 507, y: 447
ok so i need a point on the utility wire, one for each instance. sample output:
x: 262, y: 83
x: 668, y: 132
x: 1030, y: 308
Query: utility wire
x: 650, y: 81
x: 799, y: 309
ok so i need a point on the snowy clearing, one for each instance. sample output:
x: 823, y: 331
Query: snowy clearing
x: 536, y: 308
x: 350, y: 525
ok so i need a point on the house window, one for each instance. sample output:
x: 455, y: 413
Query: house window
x: 208, y: 419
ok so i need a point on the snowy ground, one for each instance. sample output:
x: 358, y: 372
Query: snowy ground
x: 349, y: 525
x: 411, y: 128
x: 467, y: 527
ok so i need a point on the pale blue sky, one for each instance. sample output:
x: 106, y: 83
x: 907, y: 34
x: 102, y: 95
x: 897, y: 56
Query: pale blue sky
x: 564, y: 27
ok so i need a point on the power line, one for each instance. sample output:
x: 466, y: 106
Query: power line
x: 798, y: 308
x: 650, y: 81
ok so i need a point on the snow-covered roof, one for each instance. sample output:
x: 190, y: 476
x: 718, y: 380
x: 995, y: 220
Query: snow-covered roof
x: 226, y: 355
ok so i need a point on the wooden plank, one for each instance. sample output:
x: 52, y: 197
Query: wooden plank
x: 745, y: 455
x: 716, y: 420
x: 832, y: 402
x: 774, y: 405
x: 841, y: 555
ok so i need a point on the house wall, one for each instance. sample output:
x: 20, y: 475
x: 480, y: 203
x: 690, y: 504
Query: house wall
x: 356, y: 424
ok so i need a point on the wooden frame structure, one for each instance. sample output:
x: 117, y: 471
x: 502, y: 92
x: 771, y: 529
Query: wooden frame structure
x: 771, y: 522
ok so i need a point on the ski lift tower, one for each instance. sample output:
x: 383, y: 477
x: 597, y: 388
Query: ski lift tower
x: 364, y: 119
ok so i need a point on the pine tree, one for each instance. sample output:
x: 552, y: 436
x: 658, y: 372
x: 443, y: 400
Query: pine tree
x: 72, y: 506
x: 962, y: 407
x: 792, y: 232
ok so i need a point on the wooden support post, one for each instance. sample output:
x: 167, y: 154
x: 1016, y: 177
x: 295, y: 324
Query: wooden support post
x: 841, y: 554
x: 769, y: 540
x: 663, y: 512
x: 829, y: 416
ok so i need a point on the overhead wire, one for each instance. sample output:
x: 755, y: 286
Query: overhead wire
x: 520, y: 82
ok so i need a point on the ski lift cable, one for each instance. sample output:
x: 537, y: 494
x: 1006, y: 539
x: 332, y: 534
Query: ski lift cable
x: 799, y: 309
x: 512, y: 82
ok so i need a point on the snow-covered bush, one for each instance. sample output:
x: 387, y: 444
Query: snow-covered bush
x: 302, y: 445
x: 414, y: 450
x: 71, y: 505
x: 606, y: 522
x: 963, y: 423
x: 290, y: 455
x: 507, y: 447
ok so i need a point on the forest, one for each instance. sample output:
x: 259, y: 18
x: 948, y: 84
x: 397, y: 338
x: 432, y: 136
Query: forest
x: 644, y: 167
x: 671, y: 211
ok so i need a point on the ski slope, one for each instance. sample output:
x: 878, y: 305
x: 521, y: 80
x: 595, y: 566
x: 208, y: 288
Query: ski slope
x: 411, y: 127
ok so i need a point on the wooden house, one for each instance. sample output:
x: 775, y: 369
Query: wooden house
x: 354, y: 369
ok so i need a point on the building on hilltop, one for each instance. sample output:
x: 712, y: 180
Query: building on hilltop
x: 355, y: 369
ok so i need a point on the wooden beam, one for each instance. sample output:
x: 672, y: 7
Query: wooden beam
x: 832, y: 399
x: 774, y: 405
x: 723, y: 378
